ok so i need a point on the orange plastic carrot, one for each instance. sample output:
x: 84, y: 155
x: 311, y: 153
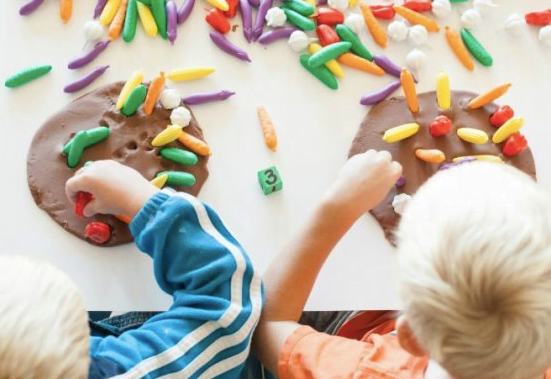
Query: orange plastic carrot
x: 376, y: 30
x: 66, y: 10
x: 194, y: 144
x: 417, y: 18
x: 359, y: 63
x: 267, y: 128
x: 118, y: 22
x: 153, y: 93
x: 408, y: 84
x: 123, y: 218
x: 488, y: 97
x: 458, y: 47
x: 430, y: 155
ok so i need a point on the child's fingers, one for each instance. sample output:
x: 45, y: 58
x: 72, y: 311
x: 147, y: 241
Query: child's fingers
x: 396, y: 169
x: 384, y: 156
x: 73, y: 186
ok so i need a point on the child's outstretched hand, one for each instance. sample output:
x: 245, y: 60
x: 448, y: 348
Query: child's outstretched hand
x: 363, y: 182
x: 115, y: 188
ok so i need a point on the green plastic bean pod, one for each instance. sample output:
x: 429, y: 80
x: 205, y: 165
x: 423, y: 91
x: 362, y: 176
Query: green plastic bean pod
x: 159, y: 14
x: 27, y: 76
x: 178, y: 178
x: 130, y: 21
x: 77, y: 149
x: 299, y: 20
x: 301, y: 7
x: 179, y: 156
x: 321, y: 72
x: 358, y: 48
x: 476, y: 49
x: 328, y: 52
x: 95, y: 135
x: 134, y: 101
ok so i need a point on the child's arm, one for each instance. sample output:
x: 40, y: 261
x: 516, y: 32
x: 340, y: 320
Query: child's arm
x: 362, y: 183
x: 216, y: 294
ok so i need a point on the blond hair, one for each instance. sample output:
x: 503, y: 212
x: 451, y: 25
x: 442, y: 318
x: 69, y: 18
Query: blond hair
x: 475, y: 260
x: 44, y: 330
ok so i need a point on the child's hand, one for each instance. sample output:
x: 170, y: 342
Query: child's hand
x: 363, y: 182
x: 116, y: 189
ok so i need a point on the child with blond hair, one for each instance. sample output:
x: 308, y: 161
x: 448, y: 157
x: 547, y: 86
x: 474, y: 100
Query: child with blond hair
x: 474, y: 252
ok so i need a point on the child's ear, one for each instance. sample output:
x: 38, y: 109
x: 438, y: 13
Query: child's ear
x: 407, y: 339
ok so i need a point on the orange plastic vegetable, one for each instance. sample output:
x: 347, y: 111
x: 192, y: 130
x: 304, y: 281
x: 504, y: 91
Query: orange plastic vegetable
x: 66, y: 10
x: 488, y: 97
x: 359, y: 63
x: 377, y: 32
x: 115, y: 28
x: 267, y: 128
x: 408, y: 84
x: 458, y: 47
x: 194, y: 144
x: 153, y: 93
x: 417, y: 18
x: 123, y: 218
x: 430, y: 155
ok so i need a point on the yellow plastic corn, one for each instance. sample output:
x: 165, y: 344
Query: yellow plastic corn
x: 190, y: 73
x: 147, y: 20
x: 482, y: 157
x: 220, y: 4
x: 443, y: 93
x: 430, y: 155
x: 471, y: 135
x: 512, y: 126
x: 171, y: 133
x: 352, y: 3
x: 109, y: 12
x: 135, y: 80
x: 159, y: 181
x: 332, y: 65
x: 401, y: 132
x: 312, y: 3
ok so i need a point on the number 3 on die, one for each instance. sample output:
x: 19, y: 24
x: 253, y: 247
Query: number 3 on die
x: 270, y: 180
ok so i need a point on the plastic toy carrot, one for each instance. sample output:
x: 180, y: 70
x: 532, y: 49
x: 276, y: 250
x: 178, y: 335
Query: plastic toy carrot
x: 123, y: 218
x: 481, y: 157
x: 408, y: 84
x: 488, y: 97
x: 512, y: 126
x: 430, y: 155
x: 190, y: 73
x: 443, y: 93
x: 458, y: 47
x: 476, y: 136
x: 115, y: 28
x: 377, y: 32
x: 153, y: 93
x: 147, y: 20
x: 134, y: 81
x: 194, y: 144
x: 267, y: 128
x: 359, y: 63
x: 401, y: 132
x: 417, y: 18
x: 66, y: 10
x: 332, y: 65
x: 109, y: 12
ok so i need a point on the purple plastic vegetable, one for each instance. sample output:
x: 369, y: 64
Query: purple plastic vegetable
x: 447, y: 166
x: 247, y: 16
x: 85, y: 80
x: 254, y: 3
x: 386, y: 64
x: 275, y: 34
x: 30, y: 7
x: 322, y: 2
x: 261, y: 18
x: 185, y: 11
x: 205, y: 97
x: 401, y: 181
x: 88, y: 56
x: 380, y: 95
x: 171, y: 21
x: 225, y: 45
x: 99, y: 8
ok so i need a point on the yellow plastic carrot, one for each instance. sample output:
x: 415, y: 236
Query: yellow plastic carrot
x: 267, y: 128
x: 147, y: 20
x: 194, y: 144
x: 375, y: 29
x: 220, y: 4
x: 408, y: 84
x: 430, y: 155
x: 134, y: 81
x: 66, y: 10
x: 417, y: 18
x: 443, y: 93
x: 359, y: 63
x: 488, y: 97
x: 159, y: 181
x: 510, y: 127
x: 190, y: 73
x: 118, y: 21
x: 109, y: 11
x: 482, y: 157
x: 458, y: 47
x: 171, y: 133
x: 476, y: 136
x: 401, y: 132
x: 153, y: 93
x: 332, y: 65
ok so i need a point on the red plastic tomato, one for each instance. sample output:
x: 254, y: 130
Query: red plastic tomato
x: 440, y: 126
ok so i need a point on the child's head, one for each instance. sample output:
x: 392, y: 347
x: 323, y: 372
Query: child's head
x: 44, y: 330
x: 475, y: 258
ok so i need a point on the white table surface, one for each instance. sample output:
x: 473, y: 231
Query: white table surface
x: 315, y: 127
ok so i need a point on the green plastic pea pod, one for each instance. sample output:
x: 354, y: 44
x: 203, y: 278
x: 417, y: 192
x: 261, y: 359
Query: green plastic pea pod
x: 77, y: 149
x: 159, y: 14
x: 134, y: 101
x: 301, y: 7
x: 328, y: 52
x: 95, y: 135
x: 299, y: 20
x: 321, y: 72
x: 145, y: 2
x: 178, y: 178
x: 179, y: 155
x: 358, y: 48
x: 27, y: 76
x: 476, y: 49
x: 131, y: 21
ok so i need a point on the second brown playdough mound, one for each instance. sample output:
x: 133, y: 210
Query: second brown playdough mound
x: 394, y: 112
x: 129, y: 143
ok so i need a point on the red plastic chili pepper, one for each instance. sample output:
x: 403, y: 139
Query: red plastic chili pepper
x: 83, y: 198
x: 514, y: 145
x: 501, y: 115
x: 418, y: 5
x: 385, y: 12
x: 440, y: 126
x: 539, y: 18
x: 329, y: 16
x: 232, y: 10
x: 97, y: 232
x: 327, y: 35
x: 218, y: 21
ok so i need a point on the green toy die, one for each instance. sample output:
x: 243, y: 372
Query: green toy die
x: 270, y: 180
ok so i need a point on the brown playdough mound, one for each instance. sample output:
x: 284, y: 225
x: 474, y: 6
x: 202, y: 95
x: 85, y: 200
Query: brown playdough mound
x: 394, y: 112
x: 129, y: 143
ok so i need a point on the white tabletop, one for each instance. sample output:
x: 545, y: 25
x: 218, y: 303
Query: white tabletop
x: 315, y: 127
